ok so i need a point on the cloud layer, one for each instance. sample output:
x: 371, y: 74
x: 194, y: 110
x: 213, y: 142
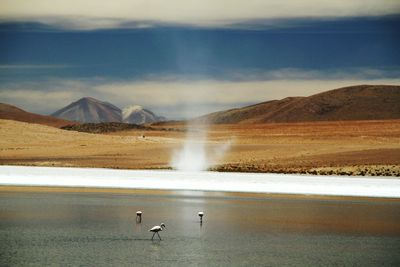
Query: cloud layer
x: 92, y: 14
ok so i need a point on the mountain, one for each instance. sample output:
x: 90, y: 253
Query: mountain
x: 362, y: 102
x: 88, y: 109
x: 139, y: 115
x: 9, y: 112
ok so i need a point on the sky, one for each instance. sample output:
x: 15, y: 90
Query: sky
x: 182, y: 59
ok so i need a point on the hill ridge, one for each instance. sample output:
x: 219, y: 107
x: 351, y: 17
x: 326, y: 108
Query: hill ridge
x: 10, y: 112
x: 91, y: 110
x: 359, y: 102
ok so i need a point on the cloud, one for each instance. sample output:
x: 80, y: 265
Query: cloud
x: 179, y: 97
x: 37, y: 101
x: 31, y: 66
x: 93, y: 14
x: 314, y: 74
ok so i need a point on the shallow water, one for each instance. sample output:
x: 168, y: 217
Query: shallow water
x: 99, y: 229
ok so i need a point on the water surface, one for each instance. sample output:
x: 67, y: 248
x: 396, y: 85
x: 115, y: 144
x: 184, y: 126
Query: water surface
x: 99, y: 229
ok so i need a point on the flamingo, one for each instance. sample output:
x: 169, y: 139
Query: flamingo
x: 139, y: 216
x: 157, y: 229
x: 201, y: 214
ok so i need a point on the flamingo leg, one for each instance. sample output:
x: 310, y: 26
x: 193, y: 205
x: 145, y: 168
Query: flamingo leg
x: 153, y: 236
x: 159, y: 235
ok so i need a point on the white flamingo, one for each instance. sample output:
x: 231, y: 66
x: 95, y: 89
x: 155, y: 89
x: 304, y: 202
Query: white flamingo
x: 201, y: 214
x: 157, y: 229
x: 139, y: 216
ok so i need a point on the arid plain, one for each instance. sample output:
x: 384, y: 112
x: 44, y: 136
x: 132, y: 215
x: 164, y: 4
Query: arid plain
x: 344, y: 148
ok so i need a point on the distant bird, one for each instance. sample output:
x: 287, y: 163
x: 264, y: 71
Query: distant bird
x: 139, y: 216
x: 157, y: 229
x: 201, y: 214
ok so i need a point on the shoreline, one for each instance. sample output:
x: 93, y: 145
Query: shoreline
x: 368, y: 171
x: 200, y: 181
x: 192, y: 194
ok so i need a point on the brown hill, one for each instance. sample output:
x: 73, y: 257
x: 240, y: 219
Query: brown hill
x: 362, y: 102
x: 9, y: 112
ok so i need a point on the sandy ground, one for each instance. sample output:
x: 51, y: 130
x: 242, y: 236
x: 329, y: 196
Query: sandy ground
x: 346, y: 148
x: 269, y: 183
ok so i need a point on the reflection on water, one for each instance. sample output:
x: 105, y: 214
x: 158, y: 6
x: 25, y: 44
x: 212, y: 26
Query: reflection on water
x: 100, y: 229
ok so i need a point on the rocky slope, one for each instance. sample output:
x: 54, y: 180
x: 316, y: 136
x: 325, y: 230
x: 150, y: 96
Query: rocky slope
x: 88, y: 109
x: 139, y: 115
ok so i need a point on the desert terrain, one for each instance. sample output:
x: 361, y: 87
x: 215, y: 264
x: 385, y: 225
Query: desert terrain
x: 342, y: 147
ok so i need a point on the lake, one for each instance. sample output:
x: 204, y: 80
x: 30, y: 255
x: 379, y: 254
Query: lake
x: 99, y: 229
